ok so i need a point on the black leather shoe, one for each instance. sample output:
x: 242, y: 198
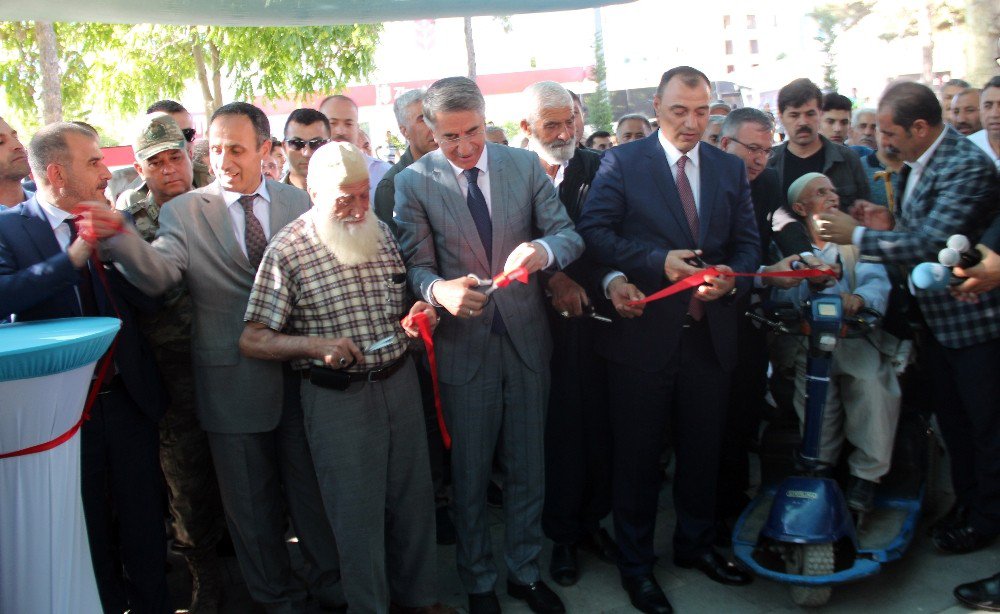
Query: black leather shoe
x: 981, y: 595
x: 861, y: 495
x: 957, y: 516
x: 564, y: 568
x: 716, y: 567
x: 538, y: 596
x: 963, y: 539
x: 484, y: 603
x: 602, y: 545
x: 445, y: 528
x: 646, y: 595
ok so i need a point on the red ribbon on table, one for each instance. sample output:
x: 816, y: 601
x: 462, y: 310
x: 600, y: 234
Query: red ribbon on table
x: 697, y: 279
x: 102, y: 369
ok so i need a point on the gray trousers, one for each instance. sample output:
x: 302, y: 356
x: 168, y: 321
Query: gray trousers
x: 370, y: 447
x: 862, y: 402
x: 258, y: 474
x: 502, y: 408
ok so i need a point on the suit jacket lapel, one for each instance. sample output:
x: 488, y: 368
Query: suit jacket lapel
x: 279, y: 215
x: 664, y: 180
x: 498, y: 204
x: 709, y: 186
x: 213, y: 207
x: 457, y: 207
x: 36, y: 226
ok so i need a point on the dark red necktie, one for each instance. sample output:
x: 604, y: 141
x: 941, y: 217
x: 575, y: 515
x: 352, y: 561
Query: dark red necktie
x: 696, y: 308
x: 253, y: 232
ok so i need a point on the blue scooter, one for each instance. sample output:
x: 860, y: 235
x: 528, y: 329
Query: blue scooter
x: 800, y: 531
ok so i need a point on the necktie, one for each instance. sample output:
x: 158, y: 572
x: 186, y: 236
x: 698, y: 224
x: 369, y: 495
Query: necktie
x: 253, y: 232
x: 696, y: 309
x: 484, y: 226
x: 85, y: 289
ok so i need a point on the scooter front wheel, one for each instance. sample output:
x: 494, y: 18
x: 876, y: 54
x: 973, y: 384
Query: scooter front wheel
x: 809, y: 560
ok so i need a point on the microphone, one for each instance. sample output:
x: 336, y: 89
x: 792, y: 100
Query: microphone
x: 959, y: 253
x: 933, y: 276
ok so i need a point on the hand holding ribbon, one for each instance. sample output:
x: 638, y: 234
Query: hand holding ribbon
x: 699, y: 278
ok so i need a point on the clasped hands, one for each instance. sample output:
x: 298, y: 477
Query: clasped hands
x: 460, y: 297
x: 838, y: 227
x: 96, y: 221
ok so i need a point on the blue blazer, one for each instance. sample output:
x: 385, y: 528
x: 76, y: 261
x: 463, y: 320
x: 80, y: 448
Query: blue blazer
x: 37, y: 282
x: 633, y: 217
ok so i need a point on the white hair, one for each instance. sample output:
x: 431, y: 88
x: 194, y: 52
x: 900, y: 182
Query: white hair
x: 544, y: 95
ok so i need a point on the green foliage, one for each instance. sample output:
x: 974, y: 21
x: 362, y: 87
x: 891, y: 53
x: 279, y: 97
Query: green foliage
x: 599, y: 114
x: 833, y: 20
x: 123, y: 68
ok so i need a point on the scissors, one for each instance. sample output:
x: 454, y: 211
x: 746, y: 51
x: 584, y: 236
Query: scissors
x: 384, y: 342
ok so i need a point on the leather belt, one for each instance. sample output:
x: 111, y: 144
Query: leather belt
x: 375, y: 375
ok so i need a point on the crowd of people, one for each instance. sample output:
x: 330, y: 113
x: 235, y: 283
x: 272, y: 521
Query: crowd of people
x: 271, y: 372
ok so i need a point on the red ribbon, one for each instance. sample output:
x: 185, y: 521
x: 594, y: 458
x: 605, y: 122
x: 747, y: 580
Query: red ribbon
x: 504, y: 279
x: 699, y: 278
x: 426, y: 334
x: 102, y: 370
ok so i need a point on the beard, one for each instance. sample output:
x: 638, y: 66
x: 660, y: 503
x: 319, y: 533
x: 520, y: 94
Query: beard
x: 352, y: 243
x: 556, y: 152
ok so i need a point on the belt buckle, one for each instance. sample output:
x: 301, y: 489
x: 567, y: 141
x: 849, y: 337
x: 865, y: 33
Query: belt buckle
x: 370, y: 378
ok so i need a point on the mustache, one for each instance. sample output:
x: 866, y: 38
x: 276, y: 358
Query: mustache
x: 804, y: 130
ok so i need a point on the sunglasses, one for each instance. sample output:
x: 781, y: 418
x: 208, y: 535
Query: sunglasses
x: 188, y: 134
x: 298, y: 144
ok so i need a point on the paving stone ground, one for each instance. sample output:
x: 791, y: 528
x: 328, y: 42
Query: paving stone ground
x: 921, y: 582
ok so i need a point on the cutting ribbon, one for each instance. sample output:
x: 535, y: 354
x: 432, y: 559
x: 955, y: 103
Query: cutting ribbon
x: 697, y: 279
x: 102, y: 369
x: 504, y: 279
x: 426, y: 334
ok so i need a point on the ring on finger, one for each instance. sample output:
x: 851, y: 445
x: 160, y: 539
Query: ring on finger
x: 342, y: 361
x: 564, y: 314
x: 469, y: 312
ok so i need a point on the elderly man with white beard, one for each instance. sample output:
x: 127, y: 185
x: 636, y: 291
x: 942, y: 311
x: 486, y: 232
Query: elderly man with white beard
x: 577, y: 444
x: 329, y: 297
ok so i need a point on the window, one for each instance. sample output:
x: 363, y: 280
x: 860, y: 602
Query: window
x: 729, y: 47
x: 753, y: 47
x: 725, y: 21
x: 730, y: 68
x: 751, y: 22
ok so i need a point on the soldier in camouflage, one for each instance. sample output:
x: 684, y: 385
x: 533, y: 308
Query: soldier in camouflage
x: 165, y: 169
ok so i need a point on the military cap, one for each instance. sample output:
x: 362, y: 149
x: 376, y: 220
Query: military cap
x: 157, y: 132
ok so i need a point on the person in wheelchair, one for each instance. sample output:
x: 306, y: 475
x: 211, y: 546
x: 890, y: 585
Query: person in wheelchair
x: 863, y: 398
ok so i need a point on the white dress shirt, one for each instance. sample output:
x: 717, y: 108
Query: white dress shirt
x: 690, y: 169
x: 261, y: 208
x: 56, y: 218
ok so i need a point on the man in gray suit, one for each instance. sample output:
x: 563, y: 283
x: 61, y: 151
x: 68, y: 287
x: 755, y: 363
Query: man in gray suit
x: 213, y: 238
x: 475, y: 208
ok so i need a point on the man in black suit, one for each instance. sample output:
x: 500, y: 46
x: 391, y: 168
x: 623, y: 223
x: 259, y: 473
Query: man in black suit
x: 577, y: 440
x: 749, y: 134
x: 46, y: 272
x: 653, y: 203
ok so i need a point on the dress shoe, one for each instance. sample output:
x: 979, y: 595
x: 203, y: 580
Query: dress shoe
x: 861, y: 495
x: 564, y: 568
x: 646, y: 595
x: 956, y: 517
x: 963, y: 539
x: 981, y: 595
x: 437, y: 608
x: 444, y: 527
x: 716, y: 567
x: 538, y: 596
x: 602, y: 545
x: 484, y: 603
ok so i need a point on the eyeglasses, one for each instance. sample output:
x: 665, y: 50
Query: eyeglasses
x: 188, y: 134
x: 458, y: 139
x: 298, y: 144
x: 754, y: 149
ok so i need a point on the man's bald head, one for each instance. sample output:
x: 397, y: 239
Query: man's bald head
x: 343, y: 115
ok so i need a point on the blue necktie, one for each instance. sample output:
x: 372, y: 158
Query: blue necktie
x: 484, y: 226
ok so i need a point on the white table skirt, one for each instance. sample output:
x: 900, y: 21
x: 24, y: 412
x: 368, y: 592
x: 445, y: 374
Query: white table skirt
x: 45, y: 563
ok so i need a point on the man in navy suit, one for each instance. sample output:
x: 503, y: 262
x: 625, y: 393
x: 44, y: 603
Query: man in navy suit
x: 652, y: 203
x: 46, y: 272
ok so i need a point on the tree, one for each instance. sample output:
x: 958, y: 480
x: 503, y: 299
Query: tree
x: 929, y: 18
x: 125, y: 67
x: 983, y: 23
x: 833, y: 20
x: 470, y: 48
x: 599, y: 109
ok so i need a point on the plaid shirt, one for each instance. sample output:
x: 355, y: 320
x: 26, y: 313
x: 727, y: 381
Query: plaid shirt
x: 958, y: 193
x: 301, y: 289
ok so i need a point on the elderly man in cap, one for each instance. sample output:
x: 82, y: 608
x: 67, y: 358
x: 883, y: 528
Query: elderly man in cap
x: 329, y: 296
x: 162, y: 163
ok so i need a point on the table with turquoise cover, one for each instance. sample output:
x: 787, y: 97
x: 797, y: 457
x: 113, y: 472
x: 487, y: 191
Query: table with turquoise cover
x: 45, y: 372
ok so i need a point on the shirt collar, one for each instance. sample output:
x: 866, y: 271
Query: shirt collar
x: 925, y: 157
x: 482, y: 164
x: 53, y: 214
x: 231, y: 197
x: 674, y: 154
